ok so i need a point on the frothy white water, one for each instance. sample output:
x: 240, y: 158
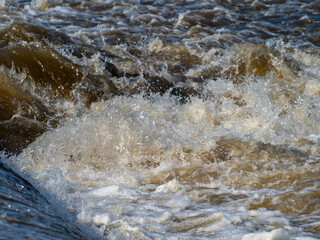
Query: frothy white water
x: 239, y: 161
x: 41, y: 5
x: 221, y: 166
x: 2, y: 4
x: 148, y: 168
x: 277, y: 234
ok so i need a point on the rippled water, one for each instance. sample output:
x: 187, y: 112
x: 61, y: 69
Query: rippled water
x: 160, y: 119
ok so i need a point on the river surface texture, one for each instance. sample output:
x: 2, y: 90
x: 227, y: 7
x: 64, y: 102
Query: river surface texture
x: 162, y: 119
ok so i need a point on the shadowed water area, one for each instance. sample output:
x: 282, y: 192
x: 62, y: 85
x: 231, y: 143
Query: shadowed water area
x: 160, y: 119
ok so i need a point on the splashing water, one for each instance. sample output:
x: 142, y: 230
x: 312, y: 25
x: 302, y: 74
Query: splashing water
x: 167, y: 119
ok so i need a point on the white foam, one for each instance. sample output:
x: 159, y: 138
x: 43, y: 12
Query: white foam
x: 2, y: 4
x: 149, y: 167
x: 171, y: 186
x: 278, y: 234
x: 103, y: 219
x: 155, y: 45
x: 313, y: 87
x: 304, y: 238
x: 129, y: 164
x: 114, y: 191
x: 42, y: 5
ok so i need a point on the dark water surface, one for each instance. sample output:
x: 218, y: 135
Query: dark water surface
x: 160, y: 119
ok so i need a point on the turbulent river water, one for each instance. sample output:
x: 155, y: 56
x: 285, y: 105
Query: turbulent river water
x: 163, y: 119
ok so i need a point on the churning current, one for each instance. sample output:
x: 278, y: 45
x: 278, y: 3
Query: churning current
x: 160, y: 119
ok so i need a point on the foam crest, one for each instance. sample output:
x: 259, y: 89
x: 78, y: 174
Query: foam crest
x: 278, y: 234
x: 153, y: 159
x: 42, y: 5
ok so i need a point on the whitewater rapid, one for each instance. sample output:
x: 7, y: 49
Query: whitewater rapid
x: 163, y: 119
